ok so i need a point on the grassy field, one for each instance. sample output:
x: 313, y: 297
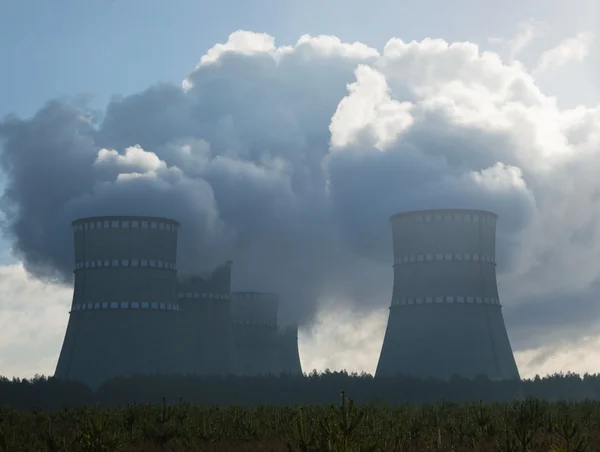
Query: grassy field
x: 526, y: 425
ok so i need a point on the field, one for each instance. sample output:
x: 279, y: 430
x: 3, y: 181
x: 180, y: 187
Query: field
x: 525, y: 425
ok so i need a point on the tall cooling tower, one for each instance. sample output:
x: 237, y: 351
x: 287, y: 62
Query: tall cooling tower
x: 288, y: 356
x: 207, y: 333
x: 445, y: 317
x: 124, y: 314
x: 254, y: 316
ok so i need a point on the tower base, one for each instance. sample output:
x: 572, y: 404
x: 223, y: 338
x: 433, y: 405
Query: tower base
x: 443, y: 340
x: 104, y: 344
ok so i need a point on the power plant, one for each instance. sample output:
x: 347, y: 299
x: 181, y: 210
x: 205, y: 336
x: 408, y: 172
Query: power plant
x: 287, y: 355
x: 124, y: 316
x: 445, y: 317
x: 206, y: 327
x: 254, y: 316
x: 132, y: 315
x: 263, y: 348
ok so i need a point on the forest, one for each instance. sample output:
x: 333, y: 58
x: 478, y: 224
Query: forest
x: 330, y: 411
x: 48, y: 394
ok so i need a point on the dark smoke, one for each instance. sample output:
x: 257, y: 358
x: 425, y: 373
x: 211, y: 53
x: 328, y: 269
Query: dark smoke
x: 244, y: 161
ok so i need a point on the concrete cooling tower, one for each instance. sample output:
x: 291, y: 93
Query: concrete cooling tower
x: 208, y: 345
x: 287, y: 357
x: 263, y: 348
x: 124, y: 313
x: 254, y: 316
x: 445, y: 317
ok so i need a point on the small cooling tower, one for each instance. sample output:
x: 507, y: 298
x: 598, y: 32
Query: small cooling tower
x: 206, y: 324
x: 254, y: 316
x: 288, y: 356
x: 124, y: 313
x: 445, y: 317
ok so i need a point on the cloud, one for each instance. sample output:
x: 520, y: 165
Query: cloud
x: 527, y: 31
x: 573, y: 49
x: 580, y: 356
x: 134, y: 159
x: 290, y: 160
x: 32, y: 323
x: 342, y: 339
x: 369, y: 106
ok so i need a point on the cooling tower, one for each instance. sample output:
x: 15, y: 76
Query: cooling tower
x: 124, y: 313
x: 254, y: 316
x: 206, y: 323
x: 445, y: 317
x: 287, y: 355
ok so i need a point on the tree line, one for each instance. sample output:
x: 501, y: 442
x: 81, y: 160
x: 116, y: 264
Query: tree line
x: 47, y: 393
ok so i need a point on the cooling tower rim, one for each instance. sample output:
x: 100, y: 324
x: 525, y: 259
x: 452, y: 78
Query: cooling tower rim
x: 124, y: 217
x: 271, y: 295
x: 441, y: 211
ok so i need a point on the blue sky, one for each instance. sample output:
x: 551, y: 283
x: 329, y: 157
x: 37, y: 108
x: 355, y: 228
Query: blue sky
x: 99, y: 48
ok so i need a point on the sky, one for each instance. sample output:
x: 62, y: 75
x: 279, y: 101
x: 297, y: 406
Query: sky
x: 495, y: 104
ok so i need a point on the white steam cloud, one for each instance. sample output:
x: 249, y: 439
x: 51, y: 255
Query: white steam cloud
x: 290, y: 160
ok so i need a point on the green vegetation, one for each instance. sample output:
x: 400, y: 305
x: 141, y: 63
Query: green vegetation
x: 301, y: 414
x: 526, y: 425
